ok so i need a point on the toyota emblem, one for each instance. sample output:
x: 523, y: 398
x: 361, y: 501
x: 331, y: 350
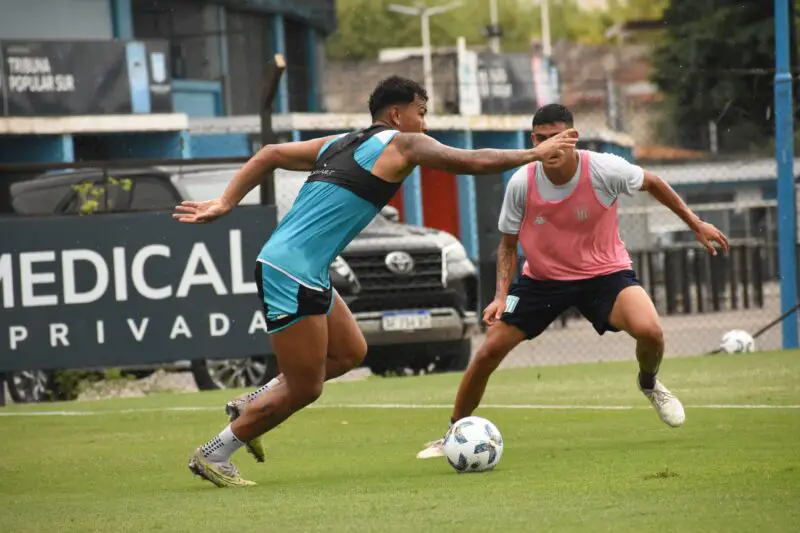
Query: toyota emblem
x: 400, y: 263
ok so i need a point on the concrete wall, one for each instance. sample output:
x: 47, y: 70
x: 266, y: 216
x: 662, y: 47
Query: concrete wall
x: 55, y: 19
x: 348, y: 84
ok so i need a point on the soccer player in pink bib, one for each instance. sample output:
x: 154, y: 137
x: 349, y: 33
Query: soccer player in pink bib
x: 563, y: 213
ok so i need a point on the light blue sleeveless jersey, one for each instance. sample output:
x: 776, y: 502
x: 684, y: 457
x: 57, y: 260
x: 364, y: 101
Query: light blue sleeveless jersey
x: 324, y: 219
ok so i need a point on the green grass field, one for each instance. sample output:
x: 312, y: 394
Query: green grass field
x: 349, y: 465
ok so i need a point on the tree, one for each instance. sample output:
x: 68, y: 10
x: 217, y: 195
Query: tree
x: 715, y: 64
x: 366, y: 26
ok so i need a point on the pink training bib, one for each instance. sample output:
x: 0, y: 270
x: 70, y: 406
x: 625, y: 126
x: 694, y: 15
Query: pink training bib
x: 574, y: 238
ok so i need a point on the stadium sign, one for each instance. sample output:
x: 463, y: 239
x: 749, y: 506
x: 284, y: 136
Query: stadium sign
x: 67, y: 78
x: 506, y: 84
x: 131, y: 288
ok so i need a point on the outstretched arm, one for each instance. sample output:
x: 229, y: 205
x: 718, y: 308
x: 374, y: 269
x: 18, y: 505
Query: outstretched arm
x: 706, y: 233
x: 420, y: 149
x: 289, y: 156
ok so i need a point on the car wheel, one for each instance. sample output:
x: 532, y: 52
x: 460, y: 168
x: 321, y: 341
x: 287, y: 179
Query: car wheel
x: 212, y: 374
x: 450, y: 356
x: 388, y: 370
x: 419, y: 359
x: 29, y: 386
x: 459, y: 358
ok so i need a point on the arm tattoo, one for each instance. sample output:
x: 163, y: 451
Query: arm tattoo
x: 425, y: 151
x: 506, y: 265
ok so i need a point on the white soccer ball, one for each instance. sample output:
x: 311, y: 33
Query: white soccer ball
x: 473, y: 444
x: 737, y: 341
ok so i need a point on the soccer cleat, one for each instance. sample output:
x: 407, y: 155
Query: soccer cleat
x: 668, y: 407
x: 234, y: 409
x: 432, y: 449
x: 220, y: 474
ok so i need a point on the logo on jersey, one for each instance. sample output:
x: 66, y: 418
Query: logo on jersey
x: 511, y: 303
x: 400, y: 263
x: 539, y: 221
x: 582, y: 213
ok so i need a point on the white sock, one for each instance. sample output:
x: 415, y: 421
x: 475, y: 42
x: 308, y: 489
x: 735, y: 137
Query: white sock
x: 220, y: 448
x: 253, y: 395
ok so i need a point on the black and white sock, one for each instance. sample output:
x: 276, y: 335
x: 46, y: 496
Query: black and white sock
x: 253, y: 395
x: 220, y: 448
x: 647, y: 381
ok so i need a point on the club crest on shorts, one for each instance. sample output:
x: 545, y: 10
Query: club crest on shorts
x: 511, y: 303
x: 582, y: 213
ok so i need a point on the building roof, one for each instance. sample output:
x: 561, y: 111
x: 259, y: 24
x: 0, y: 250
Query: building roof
x: 330, y: 122
x: 739, y: 170
x: 318, y: 13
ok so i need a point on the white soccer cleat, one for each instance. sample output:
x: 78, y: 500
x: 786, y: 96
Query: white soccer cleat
x: 432, y: 449
x: 668, y: 407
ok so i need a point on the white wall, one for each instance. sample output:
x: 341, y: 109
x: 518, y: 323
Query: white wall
x: 55, y: 19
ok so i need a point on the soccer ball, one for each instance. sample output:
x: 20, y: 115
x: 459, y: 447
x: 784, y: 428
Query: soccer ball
x: 737, y: 341
x: 473, y: 444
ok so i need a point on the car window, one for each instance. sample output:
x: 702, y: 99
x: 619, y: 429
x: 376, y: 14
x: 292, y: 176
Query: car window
x: 43, y: 201
x: 152, y: 194
x: 99, y: 196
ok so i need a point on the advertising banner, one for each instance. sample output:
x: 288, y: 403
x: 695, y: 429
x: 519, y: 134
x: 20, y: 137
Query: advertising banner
x: 132, y: 288
x: 63, y: 78
x: 506, y: 84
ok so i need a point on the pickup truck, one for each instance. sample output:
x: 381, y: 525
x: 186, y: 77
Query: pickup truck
x: 412, y: 290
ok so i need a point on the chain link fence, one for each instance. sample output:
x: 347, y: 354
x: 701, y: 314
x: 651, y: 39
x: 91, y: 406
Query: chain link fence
x: 724, y: 170
x: 698, y: 297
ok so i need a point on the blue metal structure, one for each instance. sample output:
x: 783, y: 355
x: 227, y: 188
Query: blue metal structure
x: 412, y: 199
x: 784, y: 155
x: 121, y: 19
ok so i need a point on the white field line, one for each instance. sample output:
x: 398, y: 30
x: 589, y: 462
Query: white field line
x: 396, y: 406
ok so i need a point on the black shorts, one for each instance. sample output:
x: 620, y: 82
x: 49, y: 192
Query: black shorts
x: 532, y: 305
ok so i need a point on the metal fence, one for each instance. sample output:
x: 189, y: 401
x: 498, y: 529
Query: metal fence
x: 723, y: 166
x: 698, y: 297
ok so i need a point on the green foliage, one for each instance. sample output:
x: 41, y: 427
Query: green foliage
x: 711, y: 72
x: 93, y: 195
x: 68, y: 384
x: 623, y: 10
x: 366, y: 26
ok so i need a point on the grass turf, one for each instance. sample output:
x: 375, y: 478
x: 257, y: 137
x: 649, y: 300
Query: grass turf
x: 122, y: 467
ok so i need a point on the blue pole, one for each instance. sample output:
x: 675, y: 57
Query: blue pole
x: 784, y: 155
x: 121, y: 19
x: 467, y: 204
x: 412, y: 198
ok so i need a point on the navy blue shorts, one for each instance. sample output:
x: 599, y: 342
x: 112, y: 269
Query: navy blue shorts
x: 286, y: 300
x: 532, y: 305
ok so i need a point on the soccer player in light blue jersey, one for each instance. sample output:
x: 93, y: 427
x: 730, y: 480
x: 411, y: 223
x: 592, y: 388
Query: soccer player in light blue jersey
x: 352, y: 176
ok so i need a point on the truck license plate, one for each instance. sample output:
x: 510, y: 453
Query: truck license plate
x: 407, y: 321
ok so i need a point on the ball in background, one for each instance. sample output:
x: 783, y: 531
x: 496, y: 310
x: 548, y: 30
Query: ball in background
x: 473, y: 444
x: 737, y: 341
